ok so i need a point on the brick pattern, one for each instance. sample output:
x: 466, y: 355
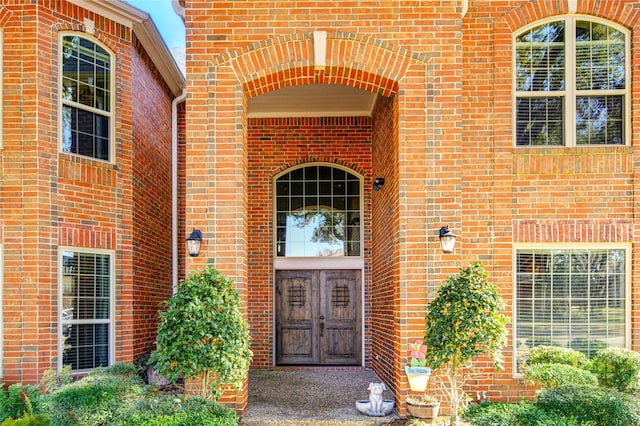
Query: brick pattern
x: 274, y: 146
x: 51, y: 199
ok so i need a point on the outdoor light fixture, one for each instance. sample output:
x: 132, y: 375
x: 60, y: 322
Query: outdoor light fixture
x: 377, y: 183
x: 447, y: 239
x: 193, y: 243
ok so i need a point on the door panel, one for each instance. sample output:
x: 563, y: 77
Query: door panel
x: 318, y: 317
x: 339, y: 313
x: 295, y: 309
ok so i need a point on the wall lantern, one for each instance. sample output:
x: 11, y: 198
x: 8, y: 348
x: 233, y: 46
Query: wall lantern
x: 447, y: 239
x: 377, y: 183
x: 193, y: 243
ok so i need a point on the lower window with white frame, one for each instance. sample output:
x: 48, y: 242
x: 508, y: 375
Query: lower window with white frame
x: 86, y: 309
x: 571, y: 297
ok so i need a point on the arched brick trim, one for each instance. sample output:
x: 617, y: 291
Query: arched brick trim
x: 80, y: 29
x: 353, y: 60
x: 326, y: 160
x: 616, y: 11
x: 5, y: 16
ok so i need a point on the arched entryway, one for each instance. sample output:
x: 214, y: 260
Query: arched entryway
x: 234, y: 168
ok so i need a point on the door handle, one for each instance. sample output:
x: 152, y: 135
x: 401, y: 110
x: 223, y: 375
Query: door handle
x: 321, y: 329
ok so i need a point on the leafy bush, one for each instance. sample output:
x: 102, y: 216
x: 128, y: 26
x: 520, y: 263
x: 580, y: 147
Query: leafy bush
x: 556, y: 355
x: 96, y: 399
x: 552, y: 375
x: 592, y: 405
x: 20, y: 400
x: 168, y: 410
x: 617, y: 368
x: 510, y: 414
x: 203, y: 333
x: 28, y: 420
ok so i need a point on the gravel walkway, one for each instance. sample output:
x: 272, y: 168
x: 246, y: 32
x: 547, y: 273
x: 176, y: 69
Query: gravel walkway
x: 310, y: 397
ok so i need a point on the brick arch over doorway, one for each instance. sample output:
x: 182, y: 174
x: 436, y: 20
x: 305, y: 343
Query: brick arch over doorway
x: 320, y: 58
x: 224, y: 158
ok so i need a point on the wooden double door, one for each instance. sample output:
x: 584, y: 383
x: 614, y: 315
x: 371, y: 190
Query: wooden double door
x: 318, y: 317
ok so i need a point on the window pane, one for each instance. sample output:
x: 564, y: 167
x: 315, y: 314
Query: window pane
x: 540, y: 59
x: 86, y: 281
x: 86, y: 87
x: 85, y: 133
x: 579, y: 303
x: 600, y: 57
x: 599, y: 120
x: 318, y: 225
x: 539, y: 121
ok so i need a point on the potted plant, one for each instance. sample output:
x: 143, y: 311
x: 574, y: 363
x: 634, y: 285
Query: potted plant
x: 423, y: 406
x: 417, y: 371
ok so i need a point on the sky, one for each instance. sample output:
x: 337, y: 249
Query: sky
x: 167, y: 21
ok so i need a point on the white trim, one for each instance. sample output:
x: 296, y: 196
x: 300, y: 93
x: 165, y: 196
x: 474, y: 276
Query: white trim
x: 569, y: 246
x: 570, y: 93
x: 320, y: 49
x: 110, y: 114
x: 112, y: 302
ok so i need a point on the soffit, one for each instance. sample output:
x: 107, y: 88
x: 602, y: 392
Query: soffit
x: 313, y: 100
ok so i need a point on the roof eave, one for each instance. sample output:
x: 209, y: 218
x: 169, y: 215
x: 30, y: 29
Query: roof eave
x: 145, y: 30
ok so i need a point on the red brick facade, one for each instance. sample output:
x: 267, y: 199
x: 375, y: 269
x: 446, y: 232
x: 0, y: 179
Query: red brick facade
x: 441, y: 136
x: 52, y: 199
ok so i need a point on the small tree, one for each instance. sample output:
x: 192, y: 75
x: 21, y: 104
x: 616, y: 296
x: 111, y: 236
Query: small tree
x: 203, y: 333
x: 463, y: 322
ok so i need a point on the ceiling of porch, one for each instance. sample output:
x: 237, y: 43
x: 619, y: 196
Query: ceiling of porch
x: 313, y: 100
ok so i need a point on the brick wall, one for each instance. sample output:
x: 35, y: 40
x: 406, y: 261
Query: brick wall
x: 451, y: 148
x: 51, y: 199
x: 274, y: 145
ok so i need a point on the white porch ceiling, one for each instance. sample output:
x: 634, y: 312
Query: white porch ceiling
x: 313, y: 100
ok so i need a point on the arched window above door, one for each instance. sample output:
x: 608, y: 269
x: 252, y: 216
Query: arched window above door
x: 318, y: 212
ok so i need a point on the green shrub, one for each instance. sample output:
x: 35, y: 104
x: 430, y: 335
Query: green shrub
x: 617, y: 368
x: 513, y: 414
x: 592, y: 405
x: 552, y: 375
x: 95, y: 399
x: 28, y: 420
x: 556, y: 355
x: 20, y: 400
x: 204, y: 335
x: 168, y: 410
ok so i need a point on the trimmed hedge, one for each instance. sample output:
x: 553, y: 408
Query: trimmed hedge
x: 617, y: 368
x: 509, y: 414
x: 593, y: 405
x: 552, y: 375
x: 168, y: 410
x: 556, y: 355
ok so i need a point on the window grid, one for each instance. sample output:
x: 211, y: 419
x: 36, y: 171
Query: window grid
x: 595, y: 64
x: 570, y: 298
x: 86, y: 309
x: 86, y: 98
x: 318, y: 213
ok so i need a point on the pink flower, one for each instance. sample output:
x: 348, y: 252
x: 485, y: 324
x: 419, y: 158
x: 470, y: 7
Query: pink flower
x: 417, y: 351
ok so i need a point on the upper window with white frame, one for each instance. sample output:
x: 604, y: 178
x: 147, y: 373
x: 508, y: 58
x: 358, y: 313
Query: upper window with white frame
x: 86, y: 304
x: 318, y: 212
x: 571, y: 84
x: 86, y: 98
x: 571, y: 297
